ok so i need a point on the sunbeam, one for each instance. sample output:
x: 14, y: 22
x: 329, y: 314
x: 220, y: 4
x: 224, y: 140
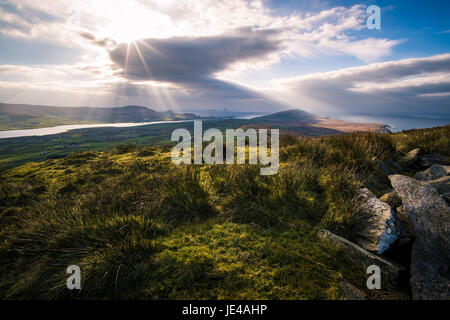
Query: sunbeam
x: 141, y: 57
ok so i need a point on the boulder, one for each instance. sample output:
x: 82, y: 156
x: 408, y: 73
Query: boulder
x: 389, y: 270
x: 428, y: 160
x: 438, y: 176
x: 429, y: 217
x: 434, y: 172
x: 442, y: 185
x: 377, y: 229
x: 411, y: 158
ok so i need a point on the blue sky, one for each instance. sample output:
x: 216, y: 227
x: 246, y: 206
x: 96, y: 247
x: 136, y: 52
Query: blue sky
x: 424, y: 31
x: 252, y: 55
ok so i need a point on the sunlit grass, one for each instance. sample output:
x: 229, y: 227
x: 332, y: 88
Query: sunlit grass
x: 140, y: 227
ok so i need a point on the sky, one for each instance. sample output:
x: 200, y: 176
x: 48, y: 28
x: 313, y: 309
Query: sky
x: 243, y: 55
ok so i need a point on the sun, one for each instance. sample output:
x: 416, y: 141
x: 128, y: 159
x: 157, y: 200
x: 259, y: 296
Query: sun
x: 128, y: 21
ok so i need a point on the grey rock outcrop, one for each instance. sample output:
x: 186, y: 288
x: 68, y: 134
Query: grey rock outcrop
x: 438, y: 177
x: 428, y: 160
x: 417, y: 159
x: 434, y: 172
x: 429, y: 217
x: 442, y: 185
x: 377, y: 229
x: 389, y: 270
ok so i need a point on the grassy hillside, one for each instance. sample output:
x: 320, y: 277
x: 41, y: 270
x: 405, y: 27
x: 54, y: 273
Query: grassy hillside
x: 140, y: 227
x: 22, y: 116
x: 17, y: 151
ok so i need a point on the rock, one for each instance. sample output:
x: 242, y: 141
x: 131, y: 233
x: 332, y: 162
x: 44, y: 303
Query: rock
x: 350, y: 292
x: 411, y: 158
x: 428, y: 160
x: 446, y: 197
x: 441, y: 185
x: 395, y: 165
x: 436, y: 171
x: 377, y: 229
x: 392, y: 199
x: 429, y: 216
x: 438, y: 176
x: 389, y: 167
x: 389, y: 270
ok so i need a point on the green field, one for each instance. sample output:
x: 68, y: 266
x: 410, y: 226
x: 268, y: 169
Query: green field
x: 140, y: 227
x: 16, y: 151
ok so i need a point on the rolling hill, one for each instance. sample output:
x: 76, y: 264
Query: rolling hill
x: 24, y: 116
x: 299, y: 122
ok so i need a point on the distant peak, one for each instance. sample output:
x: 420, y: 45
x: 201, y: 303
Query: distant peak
x: 288, y: 115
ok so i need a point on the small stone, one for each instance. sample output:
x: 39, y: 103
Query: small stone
x: 411, y: 157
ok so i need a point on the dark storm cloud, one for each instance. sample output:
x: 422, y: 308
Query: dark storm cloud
x: 186, y: 59
x: 191, y: 62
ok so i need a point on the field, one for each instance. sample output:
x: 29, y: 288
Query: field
x: 142, y: 228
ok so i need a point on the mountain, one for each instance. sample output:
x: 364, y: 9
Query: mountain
x: 285, y: 116
x: 24, y: 116
x: 299, y: 122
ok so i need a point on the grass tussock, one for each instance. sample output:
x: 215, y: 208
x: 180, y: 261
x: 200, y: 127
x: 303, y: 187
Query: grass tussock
x: 140, y: 227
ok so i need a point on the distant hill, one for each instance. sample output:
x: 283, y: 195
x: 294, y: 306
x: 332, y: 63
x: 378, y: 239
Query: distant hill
x: 299, y: 122
x: 24, y: 116
x: 285, y: 116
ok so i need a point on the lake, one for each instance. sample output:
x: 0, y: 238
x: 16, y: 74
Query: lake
x: 65, y: 128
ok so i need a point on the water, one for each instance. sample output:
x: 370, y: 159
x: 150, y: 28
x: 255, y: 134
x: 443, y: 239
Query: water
x: 398, y: 124
x: 65, y: 128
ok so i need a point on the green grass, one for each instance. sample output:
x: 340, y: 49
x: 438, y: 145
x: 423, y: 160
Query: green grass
x: 141, y: 228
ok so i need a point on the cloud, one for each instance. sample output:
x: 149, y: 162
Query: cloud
x: 304, y: 34
x: 415, y: 87
x: 185, y: 46
x: 193, y: 61
x: 185, y: 59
